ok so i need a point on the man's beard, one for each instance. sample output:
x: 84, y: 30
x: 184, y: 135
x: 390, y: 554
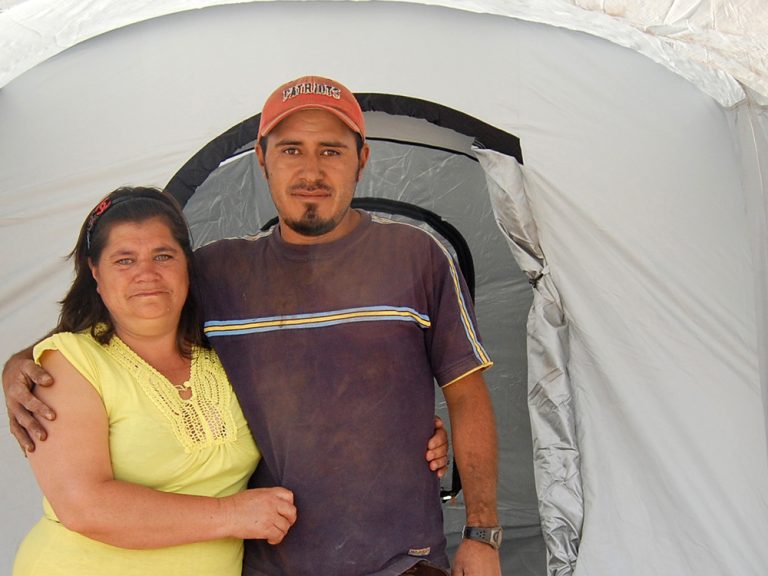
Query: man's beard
x: 311, y: 225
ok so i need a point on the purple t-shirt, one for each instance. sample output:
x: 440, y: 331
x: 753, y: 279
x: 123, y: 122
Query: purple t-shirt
x: 333, y: 350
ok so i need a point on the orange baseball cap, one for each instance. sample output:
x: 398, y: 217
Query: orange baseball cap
x: 311, y: 92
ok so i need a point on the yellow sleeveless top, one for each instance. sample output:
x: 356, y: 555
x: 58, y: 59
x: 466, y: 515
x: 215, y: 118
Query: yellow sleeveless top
x: 199, y: 446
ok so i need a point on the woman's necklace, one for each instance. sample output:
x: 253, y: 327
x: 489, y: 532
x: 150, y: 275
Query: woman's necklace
x: 184, y: 391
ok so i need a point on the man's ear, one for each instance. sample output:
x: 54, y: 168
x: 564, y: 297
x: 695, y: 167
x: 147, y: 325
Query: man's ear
x: 365, y: 151
x: 262, y: 160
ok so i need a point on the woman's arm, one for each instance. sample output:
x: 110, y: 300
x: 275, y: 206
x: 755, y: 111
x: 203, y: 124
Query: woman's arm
x: 74, y: 471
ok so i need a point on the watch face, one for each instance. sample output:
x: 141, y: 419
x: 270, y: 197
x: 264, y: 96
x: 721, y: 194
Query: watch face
x: 491, y: 536
x: 496, y: 537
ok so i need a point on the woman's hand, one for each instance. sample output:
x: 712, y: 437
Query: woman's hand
x: 437, y: 449
x: 261, y: 513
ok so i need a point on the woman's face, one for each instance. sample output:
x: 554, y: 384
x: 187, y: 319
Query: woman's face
x: 142, y: 277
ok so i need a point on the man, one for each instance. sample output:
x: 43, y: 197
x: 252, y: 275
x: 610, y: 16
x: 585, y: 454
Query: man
x: 333, y: 327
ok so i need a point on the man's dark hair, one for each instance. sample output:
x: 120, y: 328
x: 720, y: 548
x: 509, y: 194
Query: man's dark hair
x: 82, y: 308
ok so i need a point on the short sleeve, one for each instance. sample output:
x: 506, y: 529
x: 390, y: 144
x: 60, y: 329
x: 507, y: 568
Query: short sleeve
x: 79, y: 349
x: 453, y: 339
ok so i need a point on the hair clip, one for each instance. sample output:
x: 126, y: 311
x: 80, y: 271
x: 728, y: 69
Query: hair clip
x: 98, y: 211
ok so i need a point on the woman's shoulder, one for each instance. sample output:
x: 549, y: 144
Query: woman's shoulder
x: 68, y: 343
x: 80, y: 349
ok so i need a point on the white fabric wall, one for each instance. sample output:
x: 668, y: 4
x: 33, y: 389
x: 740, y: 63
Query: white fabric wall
x: 653, y: 265
x: 634, y: 176
x: 719, y: 45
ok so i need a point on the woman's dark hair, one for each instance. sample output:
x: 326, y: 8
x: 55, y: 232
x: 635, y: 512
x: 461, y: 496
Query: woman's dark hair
x: 82, y: 307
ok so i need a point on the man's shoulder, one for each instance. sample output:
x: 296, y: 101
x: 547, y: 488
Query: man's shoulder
x: 214, y: 250
x: 400, y: 229
x: 407, y: 238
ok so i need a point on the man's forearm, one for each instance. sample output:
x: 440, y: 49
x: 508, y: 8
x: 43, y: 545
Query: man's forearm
x: 13, y: 372
x: 23, y: 354
x: 473, y: 431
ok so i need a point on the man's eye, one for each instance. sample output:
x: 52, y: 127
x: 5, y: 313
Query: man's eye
x: 330, y: 152
x: 163, y: 257
x: 124, y: 261
x: 291, y: 151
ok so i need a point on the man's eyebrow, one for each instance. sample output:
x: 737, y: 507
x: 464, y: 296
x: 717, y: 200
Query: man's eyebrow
x: 326, y: 143
x: 288, y: 142
x: 334, y: 144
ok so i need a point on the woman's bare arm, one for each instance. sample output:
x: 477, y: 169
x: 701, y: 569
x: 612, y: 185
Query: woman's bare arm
x: 74, y: 471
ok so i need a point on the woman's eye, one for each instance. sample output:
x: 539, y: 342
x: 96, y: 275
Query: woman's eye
x: 124, y: 261
x: 163, y: 257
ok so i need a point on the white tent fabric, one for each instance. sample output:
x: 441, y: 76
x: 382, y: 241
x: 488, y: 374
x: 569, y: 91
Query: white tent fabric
x: 714, y: 43
x: 645, y: 145
x: 557, y: 462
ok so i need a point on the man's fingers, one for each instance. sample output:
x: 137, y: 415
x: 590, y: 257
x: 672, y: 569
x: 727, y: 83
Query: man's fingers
x: 19, y: 394
x: 37, y: 375
x: 21, y: 436
x: 31, y: 424
x: 24, y: 420
x: 33, y: 405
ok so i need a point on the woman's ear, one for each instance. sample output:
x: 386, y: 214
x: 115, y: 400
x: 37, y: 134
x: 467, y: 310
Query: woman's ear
x: 94, y: 272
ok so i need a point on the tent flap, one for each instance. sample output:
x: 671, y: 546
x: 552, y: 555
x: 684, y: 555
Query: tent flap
x: 555, y: 450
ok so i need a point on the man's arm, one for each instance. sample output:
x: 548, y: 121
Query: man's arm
x: 474, y: 446
x: 25, y: 411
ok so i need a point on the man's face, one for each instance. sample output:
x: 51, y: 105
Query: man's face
x: 312, y: 167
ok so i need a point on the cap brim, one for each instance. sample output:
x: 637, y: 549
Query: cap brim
x: 310, y: 106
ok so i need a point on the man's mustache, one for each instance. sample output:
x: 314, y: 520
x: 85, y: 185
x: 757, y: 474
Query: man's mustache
x: 311, y: 186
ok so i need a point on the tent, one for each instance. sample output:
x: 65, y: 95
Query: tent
x: 602, y: 166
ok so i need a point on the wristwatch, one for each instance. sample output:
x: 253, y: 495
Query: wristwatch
x: 489, y: 535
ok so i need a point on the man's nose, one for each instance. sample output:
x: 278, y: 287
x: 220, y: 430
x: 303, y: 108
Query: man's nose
x: 311, y: 167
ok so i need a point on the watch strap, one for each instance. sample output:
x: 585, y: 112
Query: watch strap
x: 490, y: 535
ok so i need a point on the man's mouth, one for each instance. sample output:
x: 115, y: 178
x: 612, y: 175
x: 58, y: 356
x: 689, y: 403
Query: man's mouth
x: 304, y: 190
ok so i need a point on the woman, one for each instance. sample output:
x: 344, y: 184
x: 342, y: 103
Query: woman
x: 146, y: 417
x: 146, y: 465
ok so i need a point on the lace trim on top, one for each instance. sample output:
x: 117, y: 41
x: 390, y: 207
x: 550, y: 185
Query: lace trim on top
x: 199, y: 422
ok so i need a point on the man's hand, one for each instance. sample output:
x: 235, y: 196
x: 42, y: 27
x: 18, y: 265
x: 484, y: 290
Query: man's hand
x: 476, y: 559
x: 474, y: 446
x: 25, y: 411
x: 437, y: 449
